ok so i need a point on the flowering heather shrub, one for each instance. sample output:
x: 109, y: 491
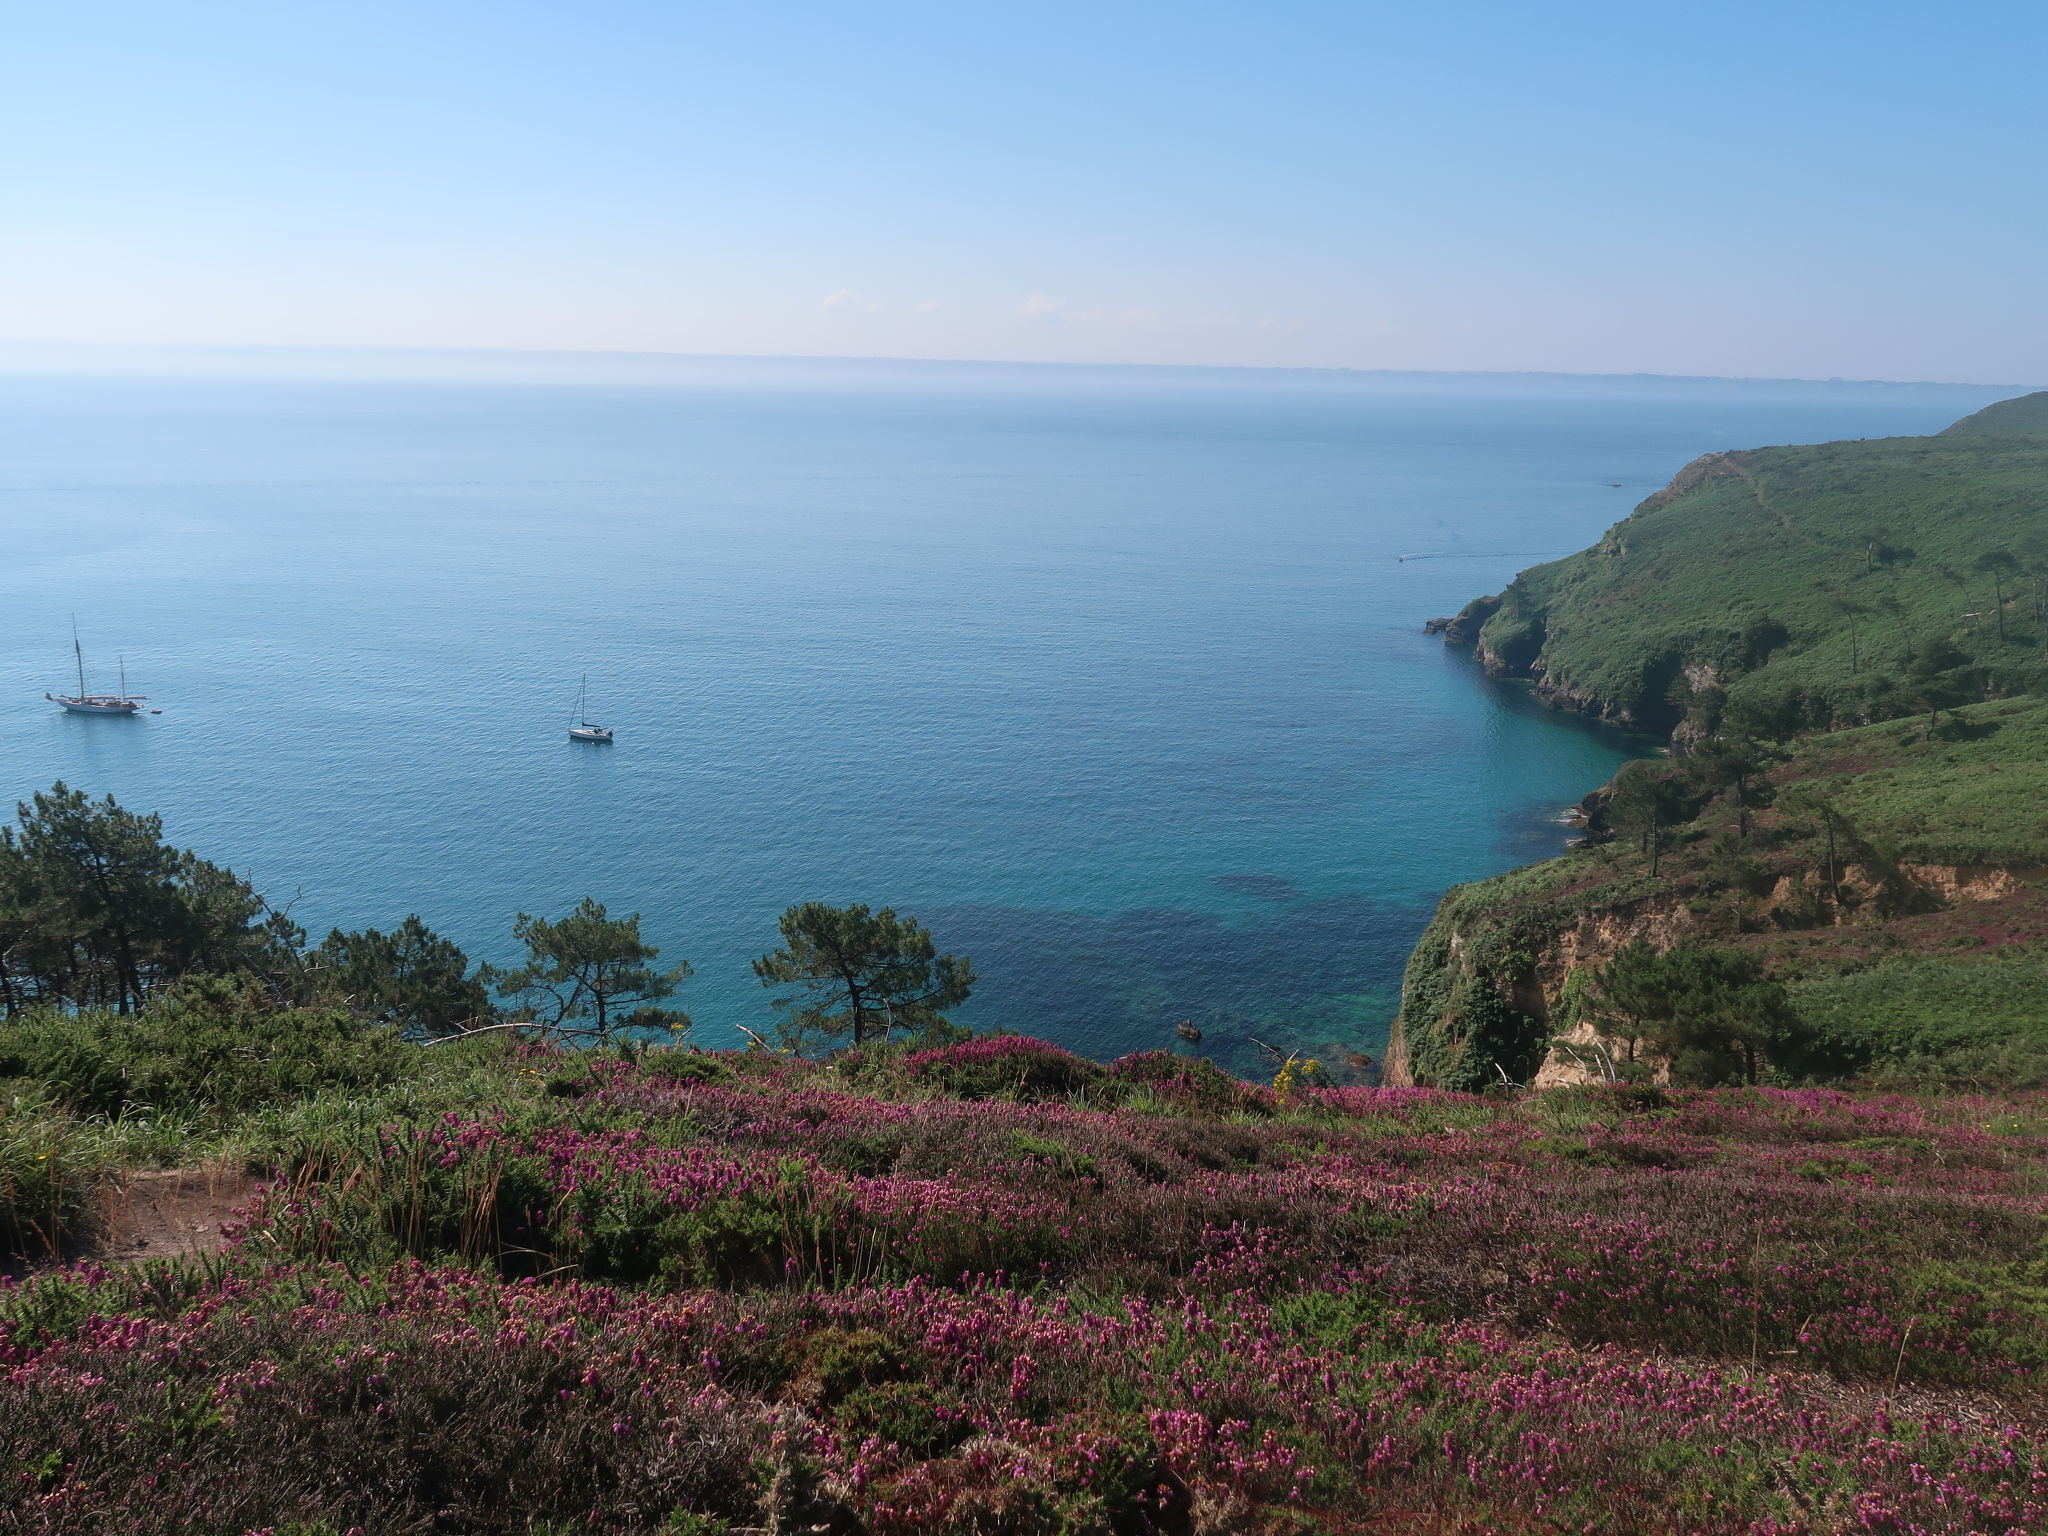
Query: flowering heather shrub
x: 860, y: 1297
x: 403, y: 1406
x: 1860, y: 1235
x: 424, y: 1398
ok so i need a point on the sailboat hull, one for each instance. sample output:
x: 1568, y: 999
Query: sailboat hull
x: 597, y: 733
x: 97, y: 706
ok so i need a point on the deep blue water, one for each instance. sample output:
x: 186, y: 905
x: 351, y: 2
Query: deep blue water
x: 1114, y: 679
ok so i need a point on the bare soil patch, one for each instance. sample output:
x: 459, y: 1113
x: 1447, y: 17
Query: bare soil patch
x: 165, y: 1213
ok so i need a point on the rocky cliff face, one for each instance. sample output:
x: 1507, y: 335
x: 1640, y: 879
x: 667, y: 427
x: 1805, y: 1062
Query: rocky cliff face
x: 1502, y: 974
x: 1483, y: 997
x: 1507, y: 633
x: 1633, y: 716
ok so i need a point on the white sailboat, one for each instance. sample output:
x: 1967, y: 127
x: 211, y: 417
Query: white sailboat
x: 83, y: 703
x: 581, y: 728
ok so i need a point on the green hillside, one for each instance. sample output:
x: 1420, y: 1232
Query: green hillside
x: 1894, y: 880
x: 2024, y: 416
x: 1849, y: 643
x: 1975, y: 794
x: 1803, y: 579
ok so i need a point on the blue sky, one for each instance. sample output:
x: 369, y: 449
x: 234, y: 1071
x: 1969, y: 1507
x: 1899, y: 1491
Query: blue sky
x: 1806, y: 188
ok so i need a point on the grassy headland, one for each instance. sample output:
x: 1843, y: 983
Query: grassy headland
x: 1848, y: 643
x: 1801, y: 579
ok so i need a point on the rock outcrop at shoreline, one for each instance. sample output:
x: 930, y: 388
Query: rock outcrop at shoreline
x: 1462, y: 627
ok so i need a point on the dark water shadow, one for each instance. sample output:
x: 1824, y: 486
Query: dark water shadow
x: 1518, y: 697
x: 1261, y: 887
x: 1321, y: 975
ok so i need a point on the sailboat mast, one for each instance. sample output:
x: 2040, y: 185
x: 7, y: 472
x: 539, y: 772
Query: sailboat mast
x: 78, y: 655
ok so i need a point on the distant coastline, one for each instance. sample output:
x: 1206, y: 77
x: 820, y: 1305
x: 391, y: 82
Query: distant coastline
x: 473, y: 365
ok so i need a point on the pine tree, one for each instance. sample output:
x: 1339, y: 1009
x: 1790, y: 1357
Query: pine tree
x: 590, y: 974
x: 860, y: 973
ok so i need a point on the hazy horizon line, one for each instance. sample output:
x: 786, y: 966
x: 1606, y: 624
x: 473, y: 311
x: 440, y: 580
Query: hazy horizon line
x: 12, y: 348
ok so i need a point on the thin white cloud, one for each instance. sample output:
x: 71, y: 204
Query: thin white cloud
x: 845, y: 300
x: 929, y: 306
x: 1044, y: 307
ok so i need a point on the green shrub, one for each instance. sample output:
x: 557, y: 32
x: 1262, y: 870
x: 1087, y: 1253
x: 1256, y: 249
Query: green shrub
x: 834, y: 1363
x: 912, y: 1414
x: 209, y: 1047
x: 1068, y: 1162
x: 1191, y: 1083
x: 684, y: 1066
x: 1001, y: 1066
x: 1948, y: 1005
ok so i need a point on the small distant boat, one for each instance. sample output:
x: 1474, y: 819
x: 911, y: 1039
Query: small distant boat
x: 84, y: 703
x: 583, y: 729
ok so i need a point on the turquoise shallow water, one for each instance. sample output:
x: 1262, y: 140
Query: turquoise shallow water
x: 1115, y: 679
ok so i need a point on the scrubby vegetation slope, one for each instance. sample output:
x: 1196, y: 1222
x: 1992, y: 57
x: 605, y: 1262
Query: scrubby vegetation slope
x: 991, y: 1287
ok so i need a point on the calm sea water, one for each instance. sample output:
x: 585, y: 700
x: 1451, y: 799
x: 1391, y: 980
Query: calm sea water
x: 1114, y: 679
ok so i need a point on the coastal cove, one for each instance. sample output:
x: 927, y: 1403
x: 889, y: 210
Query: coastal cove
x: 1115, y: 678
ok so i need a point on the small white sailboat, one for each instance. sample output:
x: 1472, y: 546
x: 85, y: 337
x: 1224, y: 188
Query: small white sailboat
x: 581, y: 728
x: 84, y: 703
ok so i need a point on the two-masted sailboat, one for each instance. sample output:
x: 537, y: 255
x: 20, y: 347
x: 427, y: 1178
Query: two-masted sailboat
x: 580, y: 726
x: 84, y: 703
